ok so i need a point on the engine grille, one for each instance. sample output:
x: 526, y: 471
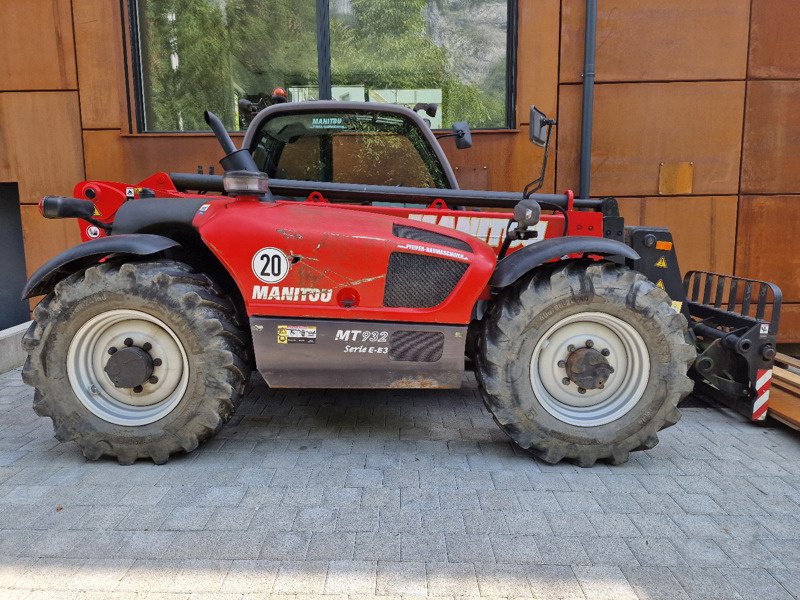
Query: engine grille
x: 416, y: 346
x: 418, y: 281
x: 420, y: 235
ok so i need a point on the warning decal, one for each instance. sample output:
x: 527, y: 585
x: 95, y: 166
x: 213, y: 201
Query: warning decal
x: 297, y: 334
x: 660, y: 284
x: 270, y: 265
x: 662, y: 262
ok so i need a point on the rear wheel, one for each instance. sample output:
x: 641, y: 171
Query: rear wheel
x: 136, y: 360
x: 584, y: 361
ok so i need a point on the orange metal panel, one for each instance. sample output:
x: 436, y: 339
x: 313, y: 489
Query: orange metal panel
x: 653, y: 40
x: 40, y: 142
x: 774, y: 40
x: 36, y: 46
x: 703, y: 241
x: 771, y: 148
x: 44, y: 238
x: 637, y: 126
x: 98, y: 42
x: 767, y: 242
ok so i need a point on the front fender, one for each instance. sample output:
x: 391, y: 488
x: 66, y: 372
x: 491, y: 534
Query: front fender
x: 515, y: 265
x: 84, y: 255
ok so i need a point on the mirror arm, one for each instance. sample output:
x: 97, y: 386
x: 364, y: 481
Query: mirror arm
x: 537, y: 184
x: 458, y: 134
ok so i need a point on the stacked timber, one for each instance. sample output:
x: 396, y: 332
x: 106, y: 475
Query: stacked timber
x: 784, y: 400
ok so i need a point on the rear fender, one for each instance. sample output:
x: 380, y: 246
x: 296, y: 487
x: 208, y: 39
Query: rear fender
x: 89, y: 253
x: 515, y: 265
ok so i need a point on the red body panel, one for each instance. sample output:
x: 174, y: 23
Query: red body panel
x: 337, y: 254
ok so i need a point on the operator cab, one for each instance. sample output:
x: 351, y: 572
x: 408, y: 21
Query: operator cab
x: 345, y: 142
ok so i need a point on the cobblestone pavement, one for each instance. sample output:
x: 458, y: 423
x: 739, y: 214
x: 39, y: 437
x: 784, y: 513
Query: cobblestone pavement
x: 357, y: 494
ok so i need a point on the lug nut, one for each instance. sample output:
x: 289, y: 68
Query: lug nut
x: 570, y: 348
x: 589, y: 343
x: 562, y: 363
x: 565, y: 381
x: 147, y: 346
x: 610, y: 369
x: 601, y: 386
x: 605, y: 351
x: 581, y: 390
x: 156, y: 362
x: 128, y: 342
x: 112, y: 350
x: 137, y: 389
x: 153, y: 379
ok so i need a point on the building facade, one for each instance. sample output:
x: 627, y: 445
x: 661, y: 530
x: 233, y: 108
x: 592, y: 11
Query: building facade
x: 695, y: 121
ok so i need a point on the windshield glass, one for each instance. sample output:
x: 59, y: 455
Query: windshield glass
x: 372, y: 148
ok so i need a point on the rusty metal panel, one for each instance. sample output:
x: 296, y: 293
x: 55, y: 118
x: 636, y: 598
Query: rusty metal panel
x: 675, y: 178
x: 637, y: 126
x: 654, y: 40
x: 771, y: 147
x: 703, y: 227
x: 36, y: 46
x: 101, y: 63
x: 766, y: 245
x: 774, y: 40
x: 40, y: 143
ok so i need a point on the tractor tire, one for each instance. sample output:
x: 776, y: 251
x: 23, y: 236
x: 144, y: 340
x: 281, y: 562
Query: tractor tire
x: 548, y: 323
x: 180, y: 366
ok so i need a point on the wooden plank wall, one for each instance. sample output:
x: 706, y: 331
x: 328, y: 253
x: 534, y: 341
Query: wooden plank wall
x: 714, y: 83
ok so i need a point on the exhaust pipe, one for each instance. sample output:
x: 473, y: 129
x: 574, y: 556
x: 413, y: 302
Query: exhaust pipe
x: 234, y: 160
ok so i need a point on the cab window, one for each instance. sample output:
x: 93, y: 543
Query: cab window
x: 355, y: 147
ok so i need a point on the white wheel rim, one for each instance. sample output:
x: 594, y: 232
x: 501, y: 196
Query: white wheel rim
x: 89, y: 352
x: 627, y: 354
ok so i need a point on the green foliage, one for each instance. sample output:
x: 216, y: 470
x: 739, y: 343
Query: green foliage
x: 230, y: 48
x: 195, y: 32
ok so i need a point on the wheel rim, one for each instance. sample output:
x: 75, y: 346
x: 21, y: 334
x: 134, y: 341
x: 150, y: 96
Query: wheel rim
x: 89, y: 353
x: 627, y: 355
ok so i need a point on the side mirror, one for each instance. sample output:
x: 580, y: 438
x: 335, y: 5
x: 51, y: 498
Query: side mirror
x: 539, y: 127
x: 463, y: 135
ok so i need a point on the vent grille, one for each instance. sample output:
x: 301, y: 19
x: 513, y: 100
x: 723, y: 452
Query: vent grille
x: 418, y: 281
x: 416, y: 346
x: 420, y: 235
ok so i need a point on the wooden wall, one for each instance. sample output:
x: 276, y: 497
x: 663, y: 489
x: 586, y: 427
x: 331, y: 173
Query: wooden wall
x: 714, y: 83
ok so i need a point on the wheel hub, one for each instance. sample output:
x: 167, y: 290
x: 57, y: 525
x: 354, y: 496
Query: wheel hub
x: 129, y: 367
x: 588, y: 368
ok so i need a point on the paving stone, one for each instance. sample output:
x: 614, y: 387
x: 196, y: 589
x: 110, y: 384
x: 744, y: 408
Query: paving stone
x: 706, y: 583
x: 604, y: 582
x: 701, y: 552
x: 401, y: 579
x: 382, y: 546
x: 654, y: 552
x: 423, y: 547
x: 654, y: 583
x: 351, y: 577
x: 554, y: 581
x: 285, y: 545
x: 609, y: 551
x: 452, y: 579
x: 331, y: 546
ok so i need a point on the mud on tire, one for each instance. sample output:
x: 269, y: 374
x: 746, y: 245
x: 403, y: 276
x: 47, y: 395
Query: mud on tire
x: 527, y: 313
x: 205, y: 327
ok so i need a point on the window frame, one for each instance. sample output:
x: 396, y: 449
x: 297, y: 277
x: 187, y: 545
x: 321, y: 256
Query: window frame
x: 324, y: 67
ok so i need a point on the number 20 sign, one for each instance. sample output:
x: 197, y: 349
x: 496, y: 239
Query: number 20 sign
x: 270, y: 265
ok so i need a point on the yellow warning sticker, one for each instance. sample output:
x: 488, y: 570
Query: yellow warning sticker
x: 677, y: 306
x: 662, y: 262
x: 96, y: 212
x: 666, y: 246
x: 660, y: 284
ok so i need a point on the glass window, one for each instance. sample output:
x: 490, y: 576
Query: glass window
x: 197, y: 55
x: 451, y: 52
x: 364, y: 148
x: 201, y: 55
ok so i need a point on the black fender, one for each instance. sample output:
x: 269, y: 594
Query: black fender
x: 515, y: 265
x: 89, y: 253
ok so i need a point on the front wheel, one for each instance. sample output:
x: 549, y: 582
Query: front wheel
x: 584, y: 361
x: 136, y: 360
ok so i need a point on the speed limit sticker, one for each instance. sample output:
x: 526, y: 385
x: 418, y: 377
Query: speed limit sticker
x: 270, y: 265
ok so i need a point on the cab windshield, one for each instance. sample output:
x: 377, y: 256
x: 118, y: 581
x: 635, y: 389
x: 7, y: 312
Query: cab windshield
x: 370, y: 148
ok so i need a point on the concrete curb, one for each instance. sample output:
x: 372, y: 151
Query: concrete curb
x: 11, y: 353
